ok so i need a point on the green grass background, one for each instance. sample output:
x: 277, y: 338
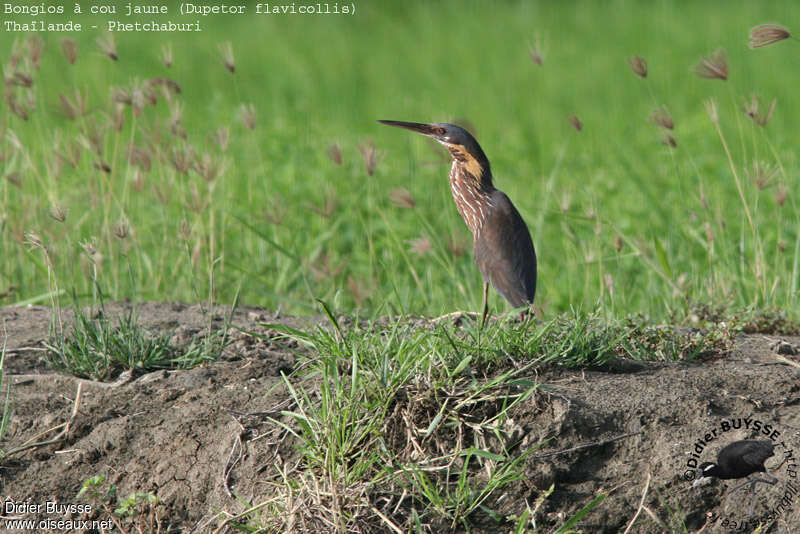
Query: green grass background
x: 323, y: 79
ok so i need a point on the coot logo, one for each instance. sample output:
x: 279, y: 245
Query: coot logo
x: 757, y: 462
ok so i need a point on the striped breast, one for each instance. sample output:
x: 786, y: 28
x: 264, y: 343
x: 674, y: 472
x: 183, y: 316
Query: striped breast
x: 472, y: 201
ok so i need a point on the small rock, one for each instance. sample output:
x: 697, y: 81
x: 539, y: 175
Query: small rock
x: 784, y: 348
x: 256, y: 317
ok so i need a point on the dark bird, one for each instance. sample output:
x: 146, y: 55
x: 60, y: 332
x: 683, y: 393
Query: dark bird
x: 738, y: 460
x: 501, y: 242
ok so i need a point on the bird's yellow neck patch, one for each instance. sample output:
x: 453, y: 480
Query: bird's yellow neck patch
x: 467, y: 160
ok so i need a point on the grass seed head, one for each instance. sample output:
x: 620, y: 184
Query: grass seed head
x: 138, y: 180
x: 669, y: 140
x: 69, y: 47
x: 122, y: 230
x: 176, y: 120
x: 184, y: 231
x: 221, y: 137
x: 662, y: 118
x: 168, y: 85
x: 767, y: 34
x: 182, y: 159
x: 638, y: 66
x: 228, y: 61
x: 328, y: 207
x: 122, y: 95
x: 34, y: 241
x: 335, y: 153
x: 166, y: 55
x: 19, y: 78
x: 762, y: 174
x: 249, y: 116
x: 780, y: 194
x: 94, y: 135
x: 751, y: 110
x: 575, y: 122
x: 101, y: 165
x: 108, y: 46
x: 22, y: 108
x: 15, y: 179
x: 74, y: 107
x: 370, y: 155
x: 116, y: 117
x: 608, y: 282
x: 420, y: 246
x: 209, y: 168
x: 536, y: 53
x: 35, y: 50
x: 58, y: 213
x: 402, y: 198
x: 564, y: 204
x: 713, y: 66
x: 196, y: 204
x: 711, y: 109
x: 618, y: 243
x: 709, y: 232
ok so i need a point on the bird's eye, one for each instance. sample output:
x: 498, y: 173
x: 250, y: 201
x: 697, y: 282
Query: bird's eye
x: 440, y: 131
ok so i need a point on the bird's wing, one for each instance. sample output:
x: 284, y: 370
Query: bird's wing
x: 748, y: 452
x: 504, y: 252
x: 757, y: 452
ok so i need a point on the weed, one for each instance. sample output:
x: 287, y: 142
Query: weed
x: 139, y: 512
x: 100, y: 348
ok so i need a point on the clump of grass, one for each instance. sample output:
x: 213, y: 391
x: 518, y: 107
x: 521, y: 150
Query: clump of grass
x: 749, y: 321
x: 407, y: 423
x: 671, y: 343
x: 100, y: 348
x: 585, y: 340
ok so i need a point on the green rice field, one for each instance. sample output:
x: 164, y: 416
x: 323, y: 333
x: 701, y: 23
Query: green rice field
x: 267, y: 175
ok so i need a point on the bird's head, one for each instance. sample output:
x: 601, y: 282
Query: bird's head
x: 707, y: 470
x: 458, y: 141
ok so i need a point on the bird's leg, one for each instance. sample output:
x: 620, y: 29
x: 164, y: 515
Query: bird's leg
x: 526, y: 315
x: 485, y: 303
x: 753, y: 481
x: 752, y: 499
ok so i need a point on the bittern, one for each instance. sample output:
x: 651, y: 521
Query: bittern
x: 502, y: 245
x: 740, y: 459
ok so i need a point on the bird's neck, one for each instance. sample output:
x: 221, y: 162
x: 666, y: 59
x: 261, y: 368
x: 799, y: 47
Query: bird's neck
x: 471, y: 185
x: 712, y: 471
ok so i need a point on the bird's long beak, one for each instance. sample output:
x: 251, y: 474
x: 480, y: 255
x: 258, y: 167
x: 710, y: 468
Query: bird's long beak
x: 425, y: 129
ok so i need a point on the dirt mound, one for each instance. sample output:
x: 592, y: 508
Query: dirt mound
x: 203, y: 442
